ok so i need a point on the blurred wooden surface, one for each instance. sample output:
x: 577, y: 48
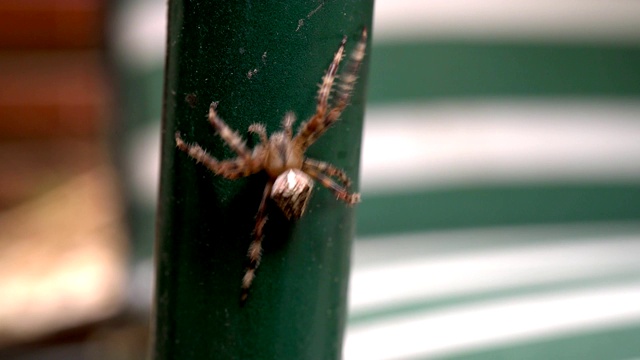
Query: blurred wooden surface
x: 48, y: 95
x: 51, y: 24
x: 54, y: 93
x: 63, y: 247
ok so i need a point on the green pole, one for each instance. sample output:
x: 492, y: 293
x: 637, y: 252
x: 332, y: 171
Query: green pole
x: 259, y: 60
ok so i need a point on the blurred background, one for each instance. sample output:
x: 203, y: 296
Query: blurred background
x: 500, y: 180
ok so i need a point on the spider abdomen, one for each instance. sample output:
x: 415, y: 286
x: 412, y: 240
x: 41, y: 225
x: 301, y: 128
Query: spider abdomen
x: 291, y: 192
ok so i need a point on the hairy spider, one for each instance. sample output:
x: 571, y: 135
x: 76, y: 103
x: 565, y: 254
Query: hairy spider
x: 281, y: 156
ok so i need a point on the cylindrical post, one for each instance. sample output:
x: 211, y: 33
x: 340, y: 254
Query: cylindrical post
x: 258, y: 60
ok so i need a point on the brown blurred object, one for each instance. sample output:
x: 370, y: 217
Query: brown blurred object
x: 54, y: 93
x: 63, y: 248
x: 52, y: 81
x: 51, y: 24
x: 46, y: 95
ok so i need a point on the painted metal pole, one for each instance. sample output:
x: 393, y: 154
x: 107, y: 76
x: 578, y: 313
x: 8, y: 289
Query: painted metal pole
x: 258, y: 60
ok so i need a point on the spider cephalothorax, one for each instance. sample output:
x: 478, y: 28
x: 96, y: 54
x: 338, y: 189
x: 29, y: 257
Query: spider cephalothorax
x: 281, y: 155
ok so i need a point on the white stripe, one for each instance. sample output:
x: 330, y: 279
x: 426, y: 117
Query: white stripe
x: 439, y: 144
x: 413, y: 273
x: 495, y: 323
x: 546, y: 20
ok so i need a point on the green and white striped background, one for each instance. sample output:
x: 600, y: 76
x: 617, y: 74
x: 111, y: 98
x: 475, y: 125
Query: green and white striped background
x: 501, y: 183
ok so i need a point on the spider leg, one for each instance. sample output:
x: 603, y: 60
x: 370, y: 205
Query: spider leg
x: 260, y: 130
x: 230, y: 137
x: 329, y: 77
x: 327, y: 169
x: 339, y: 191
x: 309, y: 127
x: 230, y: 169
x: 287, y: 124
x: 348, y: 80
x: 254, y: 254
x: 315, y: 127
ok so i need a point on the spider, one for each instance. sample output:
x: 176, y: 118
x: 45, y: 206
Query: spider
x: 282, y: 157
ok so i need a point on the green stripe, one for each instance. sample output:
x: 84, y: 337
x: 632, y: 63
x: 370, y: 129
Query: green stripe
x: 612, y: 344
x: 415, y: 70
x: 497, y: 206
